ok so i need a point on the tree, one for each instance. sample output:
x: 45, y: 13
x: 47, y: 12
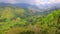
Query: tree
x: 7, y: 13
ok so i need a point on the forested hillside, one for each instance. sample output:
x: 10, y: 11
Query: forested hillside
x: 24, y: 21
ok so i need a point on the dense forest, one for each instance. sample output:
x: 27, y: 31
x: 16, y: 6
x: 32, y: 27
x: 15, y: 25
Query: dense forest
x: 23, y: 21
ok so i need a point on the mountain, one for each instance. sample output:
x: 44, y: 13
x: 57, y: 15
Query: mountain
x: 42, y: 9
x: 19, y: 5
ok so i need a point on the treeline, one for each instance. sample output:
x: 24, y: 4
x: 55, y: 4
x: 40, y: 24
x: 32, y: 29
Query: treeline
x: 23, y: 21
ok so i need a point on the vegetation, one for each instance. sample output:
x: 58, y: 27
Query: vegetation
x: 23, y: 21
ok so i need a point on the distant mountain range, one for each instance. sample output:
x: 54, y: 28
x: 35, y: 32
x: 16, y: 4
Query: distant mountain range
x: 43, y: 8
x: 26, y: 5
x: 20, y: 5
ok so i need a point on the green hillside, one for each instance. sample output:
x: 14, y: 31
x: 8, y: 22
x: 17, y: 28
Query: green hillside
x: 23, y: 21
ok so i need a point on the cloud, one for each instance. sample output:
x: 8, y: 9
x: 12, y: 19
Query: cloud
x: 49, y: 1
x: 10, y: 1
x: 37, y: 2
x: 17, y: 1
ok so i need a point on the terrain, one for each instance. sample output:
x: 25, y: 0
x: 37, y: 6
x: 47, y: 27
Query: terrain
x: 29, y: 19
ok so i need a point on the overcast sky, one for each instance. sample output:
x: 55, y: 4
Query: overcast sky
x: 37, y: 2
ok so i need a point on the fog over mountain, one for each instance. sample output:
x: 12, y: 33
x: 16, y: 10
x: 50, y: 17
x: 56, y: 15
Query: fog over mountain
x: 36, y: 2
x: 39, y: 5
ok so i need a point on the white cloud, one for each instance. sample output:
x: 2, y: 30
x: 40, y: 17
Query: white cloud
x: 10, y: 1
x: 37, y: 2
x: 53, y: 1
x: 17, y: 1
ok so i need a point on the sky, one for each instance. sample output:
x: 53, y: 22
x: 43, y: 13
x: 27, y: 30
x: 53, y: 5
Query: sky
x: 37, y: 2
